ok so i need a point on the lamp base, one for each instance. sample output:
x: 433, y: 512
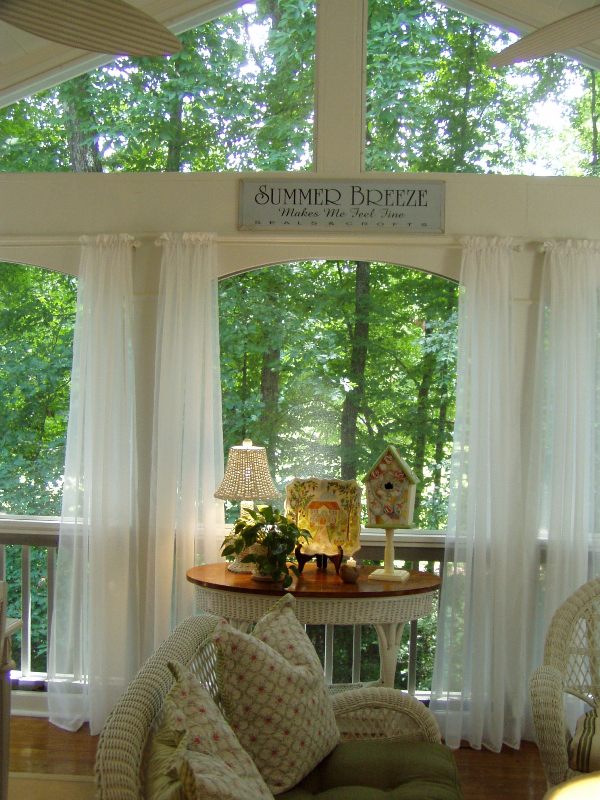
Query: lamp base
x: 393, y: 575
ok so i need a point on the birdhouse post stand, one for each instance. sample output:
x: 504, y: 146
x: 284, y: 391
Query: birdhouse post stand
x: 389, y: 573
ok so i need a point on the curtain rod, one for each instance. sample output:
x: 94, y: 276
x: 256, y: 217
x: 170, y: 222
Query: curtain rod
x: 407, y: 240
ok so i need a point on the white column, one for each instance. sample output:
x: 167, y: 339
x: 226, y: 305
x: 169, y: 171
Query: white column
x: 340, y: 70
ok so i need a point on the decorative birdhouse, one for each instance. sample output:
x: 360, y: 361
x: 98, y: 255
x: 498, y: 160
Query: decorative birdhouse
x: 390, y: 487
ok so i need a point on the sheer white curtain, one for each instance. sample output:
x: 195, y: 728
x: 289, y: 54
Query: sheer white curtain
x: 186, y: 521
x: 94, y: 646
x: 481, y: 671
x: 563, y: 501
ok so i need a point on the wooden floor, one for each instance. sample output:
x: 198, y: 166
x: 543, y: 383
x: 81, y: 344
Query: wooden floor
x: 37, y: 746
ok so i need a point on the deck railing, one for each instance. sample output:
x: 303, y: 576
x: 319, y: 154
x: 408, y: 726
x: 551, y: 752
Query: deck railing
x: 348, y: 654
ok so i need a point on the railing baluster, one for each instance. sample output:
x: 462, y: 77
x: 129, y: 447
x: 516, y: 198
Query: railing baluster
x: 412, y: 657
x: 26, y: 610
x: 329, y: 654
x: 356, y: 655
x: 50, y: 587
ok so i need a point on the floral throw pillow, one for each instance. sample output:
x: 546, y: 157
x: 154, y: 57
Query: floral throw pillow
x: 275, y: 698
x: 213, y: 764
x: 209, y: 778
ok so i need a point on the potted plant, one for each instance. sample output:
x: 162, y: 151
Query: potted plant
x: 268, y: 539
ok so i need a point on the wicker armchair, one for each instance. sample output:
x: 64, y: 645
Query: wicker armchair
x: 571, y: 665
x: 121, y: 755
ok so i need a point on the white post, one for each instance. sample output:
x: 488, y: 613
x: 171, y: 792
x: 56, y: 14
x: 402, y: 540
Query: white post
x: 388, y: 573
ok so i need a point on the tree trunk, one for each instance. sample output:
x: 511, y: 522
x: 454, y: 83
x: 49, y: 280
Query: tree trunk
x: 420, y: 419
x: 359, y: 345
x: 175, y: 136
x: 595, y: 160
x: 442, y: 420
x: 463, y: 137
x: 268, y: 425
x: 80, y: 125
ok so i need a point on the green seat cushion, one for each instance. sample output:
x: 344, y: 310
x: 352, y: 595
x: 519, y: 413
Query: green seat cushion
x: 381, y: 770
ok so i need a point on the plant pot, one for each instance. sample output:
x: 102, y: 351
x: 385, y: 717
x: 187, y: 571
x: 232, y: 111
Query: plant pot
x: 265, y: 578
x: 237, y: 565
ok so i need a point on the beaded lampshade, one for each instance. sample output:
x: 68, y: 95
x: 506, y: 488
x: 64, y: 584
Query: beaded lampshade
x: 247, y: 475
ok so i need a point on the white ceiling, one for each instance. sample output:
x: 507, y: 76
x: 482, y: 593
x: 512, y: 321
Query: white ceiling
x: 29, y: 64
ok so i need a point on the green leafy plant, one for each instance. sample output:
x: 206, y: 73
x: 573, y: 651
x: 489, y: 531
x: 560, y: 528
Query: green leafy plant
x: 268, y: 539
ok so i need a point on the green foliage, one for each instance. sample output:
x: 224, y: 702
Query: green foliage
x: 37, y: 315
x: 433, y: 102
x: 273, y: 538
x: 239, y: 95
x: 305, y: 352
x: 38, y: 584
x: 32, y: 137
x: 585, y: 116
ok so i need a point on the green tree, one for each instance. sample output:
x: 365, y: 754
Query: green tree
x: 434, y: 104
x: 585, y: 114
x: 80, y: 124
x: 37, y: 312
x: 323, y: 425
x: 230, y: 99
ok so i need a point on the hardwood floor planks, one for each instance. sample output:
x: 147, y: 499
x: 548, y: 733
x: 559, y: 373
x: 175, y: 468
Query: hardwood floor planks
x: 36, y: 746
x: 509, y: 775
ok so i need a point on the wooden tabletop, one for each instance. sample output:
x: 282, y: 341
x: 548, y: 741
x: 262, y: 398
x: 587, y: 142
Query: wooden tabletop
x: 312, y: 582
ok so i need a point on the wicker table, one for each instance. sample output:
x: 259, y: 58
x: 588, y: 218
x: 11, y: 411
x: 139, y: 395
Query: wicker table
x: 322, y: 598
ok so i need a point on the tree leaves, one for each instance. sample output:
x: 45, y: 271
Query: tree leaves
x: 434, y: 104
x: 37, y: 313
x: 306, y: 312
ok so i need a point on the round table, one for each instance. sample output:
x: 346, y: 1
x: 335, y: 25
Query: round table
x: 322, y: 598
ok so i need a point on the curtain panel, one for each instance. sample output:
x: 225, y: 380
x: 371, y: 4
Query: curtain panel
x: 481, y: 671
x: 563, y: 508
x: 120, y: 582
x: 524, y: 517
x: 94, y: 635
x: 186, y: 521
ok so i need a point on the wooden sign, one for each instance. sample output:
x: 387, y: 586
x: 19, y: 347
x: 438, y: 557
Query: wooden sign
x: 400, y: 205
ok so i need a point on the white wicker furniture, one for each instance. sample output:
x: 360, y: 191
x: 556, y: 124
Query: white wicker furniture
x: 374, y: 713
x: 571, y: 665
x: 322, y: 598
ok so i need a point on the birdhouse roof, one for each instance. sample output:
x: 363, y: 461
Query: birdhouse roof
x: 397, y: 458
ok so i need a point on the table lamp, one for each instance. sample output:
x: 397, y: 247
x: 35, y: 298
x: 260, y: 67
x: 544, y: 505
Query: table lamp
x: 247, y: 478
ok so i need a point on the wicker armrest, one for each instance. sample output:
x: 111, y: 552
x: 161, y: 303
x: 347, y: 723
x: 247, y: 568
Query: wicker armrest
x: 547, y: 699
x: 382, y: 713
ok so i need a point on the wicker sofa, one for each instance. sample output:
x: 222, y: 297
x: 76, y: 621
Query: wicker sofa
x: 390, y: 743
